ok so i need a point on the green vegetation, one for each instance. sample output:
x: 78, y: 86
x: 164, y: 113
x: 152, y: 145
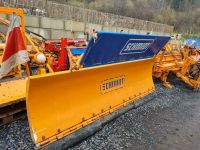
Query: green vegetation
x: 184, y: 15
x: 186, y: 36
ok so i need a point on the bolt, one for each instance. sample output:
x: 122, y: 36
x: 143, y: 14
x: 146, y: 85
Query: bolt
x: 43, y: 137
x: 83, y: 119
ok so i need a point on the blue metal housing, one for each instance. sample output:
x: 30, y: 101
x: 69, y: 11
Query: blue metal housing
x: 111, y: 48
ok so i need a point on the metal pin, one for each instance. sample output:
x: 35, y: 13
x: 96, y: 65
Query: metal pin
x: 43, y: 137
x: 93, y: 115
x: 58, y: 130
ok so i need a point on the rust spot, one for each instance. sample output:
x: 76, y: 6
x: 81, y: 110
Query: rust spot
x: 58, y: 130
x: 83, y: 119
x: 43, y: 137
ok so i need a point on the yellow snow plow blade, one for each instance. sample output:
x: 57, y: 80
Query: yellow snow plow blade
x: 111, y: 75
x: 62, y: 103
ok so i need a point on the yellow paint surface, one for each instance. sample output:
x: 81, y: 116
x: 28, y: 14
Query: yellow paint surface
x: 59, y: 104
x: 12, y: 91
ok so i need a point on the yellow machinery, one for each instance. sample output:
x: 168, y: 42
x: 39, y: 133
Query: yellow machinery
x: 103, y: 80
x: 109, y: 77
x: 13, y: 86
x: 76, y: 99
x: 12, y: 90
x: 183, y: 62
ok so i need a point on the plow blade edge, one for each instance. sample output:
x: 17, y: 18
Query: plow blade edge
x: 62, y: 103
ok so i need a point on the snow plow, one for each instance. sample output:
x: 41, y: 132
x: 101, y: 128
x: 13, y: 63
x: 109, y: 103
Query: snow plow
x: 108, y: 77
x: 71, y: 89
x: 183, y: 61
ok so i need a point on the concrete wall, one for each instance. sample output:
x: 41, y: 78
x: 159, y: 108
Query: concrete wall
x: 61, y: 19
x: 52, y: 28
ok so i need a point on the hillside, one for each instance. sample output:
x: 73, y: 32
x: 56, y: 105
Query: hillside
x: 184, y: 15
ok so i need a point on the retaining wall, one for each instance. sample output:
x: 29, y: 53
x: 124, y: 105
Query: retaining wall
x: 61, y: 19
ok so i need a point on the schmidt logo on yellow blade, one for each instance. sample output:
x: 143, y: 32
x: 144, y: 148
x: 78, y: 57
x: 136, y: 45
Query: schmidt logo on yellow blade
x: 134, y: 46
x: 112, y: 84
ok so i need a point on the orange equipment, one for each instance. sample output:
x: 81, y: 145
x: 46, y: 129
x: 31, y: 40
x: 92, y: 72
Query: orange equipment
x: 42, y: 61
x: 13, y: 87
x: 107, y: 80
x: 184, y: 62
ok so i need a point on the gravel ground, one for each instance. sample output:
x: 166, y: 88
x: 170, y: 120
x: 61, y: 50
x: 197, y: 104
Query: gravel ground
x: 170, y: 121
